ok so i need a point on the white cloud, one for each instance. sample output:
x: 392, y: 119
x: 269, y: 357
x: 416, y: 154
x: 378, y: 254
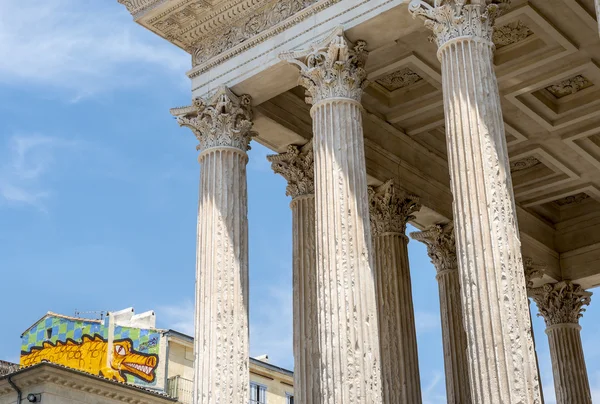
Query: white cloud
x: 178, y: 317
x: 24, y: 169
x: 426, y: 321
x: 435, y: 390
x: 271, y: 326
x: 84, y: 47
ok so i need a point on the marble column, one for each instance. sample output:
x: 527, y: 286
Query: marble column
x: 390, y: 209
x: 598, y: 13
x: 502, y: 366
x: 561, y: 305
x: 533, y: 271
x: 297, y: 167
x: 222, y: 124
x: 441, y: 248
x: 334, y: 77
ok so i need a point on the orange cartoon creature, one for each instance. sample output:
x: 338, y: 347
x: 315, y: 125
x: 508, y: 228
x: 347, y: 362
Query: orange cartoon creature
x: 89, y: 355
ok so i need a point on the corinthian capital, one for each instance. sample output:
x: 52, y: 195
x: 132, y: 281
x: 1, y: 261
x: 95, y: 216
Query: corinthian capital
x: 451, y: 19
x: 441, y: 246
x: 331, y: 69
x: 391, y: 208
x: 223, y: 120
x: 297, y: 167
x: 561, y: 302
x: 532, y: 271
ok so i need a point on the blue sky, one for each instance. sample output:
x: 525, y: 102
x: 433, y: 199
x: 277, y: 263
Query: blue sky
x: 99, y: 188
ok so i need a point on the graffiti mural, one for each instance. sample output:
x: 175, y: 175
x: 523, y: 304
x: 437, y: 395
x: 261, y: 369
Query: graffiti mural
x: 90, y: 355
x: 132, y: 355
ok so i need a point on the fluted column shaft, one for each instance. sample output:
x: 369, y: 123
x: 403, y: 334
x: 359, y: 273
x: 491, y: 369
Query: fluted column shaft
x: 598, y: 14
x: 441, y: 247
x: 348, y: 339
x: 454, y: 339
x: 221, y: 125
x: 390, y: 210
x: 397, y: 333
x: 296, y: 166
x: 306, y: 336
x: 500, y: 346
x: 568, y: 364
x: 561, y: 305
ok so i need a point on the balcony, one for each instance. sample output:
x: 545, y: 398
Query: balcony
x: 181, y: 389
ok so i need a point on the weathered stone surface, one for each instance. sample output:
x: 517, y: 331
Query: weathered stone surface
x: 297, y: 167
x: 441, y: 247
x: 561, y: 305
x: 390, y: 210
x: 222, y: 125
x: 348, y: 331
x: 497, y: 323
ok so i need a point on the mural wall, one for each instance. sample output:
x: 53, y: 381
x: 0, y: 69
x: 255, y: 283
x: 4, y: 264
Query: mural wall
x: 86, y: 345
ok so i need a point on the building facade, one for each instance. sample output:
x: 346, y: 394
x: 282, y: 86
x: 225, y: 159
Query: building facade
x: 128, y: 349
x: 478, y: 121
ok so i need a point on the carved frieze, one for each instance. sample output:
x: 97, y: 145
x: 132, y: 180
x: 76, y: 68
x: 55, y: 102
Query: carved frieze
x: 399, y: 79
x: 524, y: 164
x: 333, y: 69
x: 561, y: 302
x: 263, y: 18
x: 441, y: 245
x: 391, y: 208
x: 297, y: 167
x: 223, y: 120
x: 569, y: 86
x: 572, y: 199
x: 451, y: 19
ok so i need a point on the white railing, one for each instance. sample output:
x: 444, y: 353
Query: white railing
x: 181, y: 389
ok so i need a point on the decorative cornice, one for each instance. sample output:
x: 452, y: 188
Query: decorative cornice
x: 532, y: 271
x: 263, y: 36
x: 223, y: 120
x: 297, y: 167
x: 441, y: 246
x: 561, y: 302
x: 452, y: 19
x: 332, y: 69
x: 136, y: 6
x: 266, y: 16
x: 391, y: 208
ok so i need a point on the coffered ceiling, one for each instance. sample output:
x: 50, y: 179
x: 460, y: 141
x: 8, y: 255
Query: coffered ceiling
x: 548, y: 68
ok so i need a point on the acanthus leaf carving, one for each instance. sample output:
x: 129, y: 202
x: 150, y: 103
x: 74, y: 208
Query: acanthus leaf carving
x: 223, y: 120
x: 441, y: 246
x: 332, y: 69
x: 391, y: 208
x: 297, y: 167
x: 451, y: 19
x: 532, y: 271
x: 561, y: 302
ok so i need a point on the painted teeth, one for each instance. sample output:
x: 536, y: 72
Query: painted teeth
x: 142, y: 368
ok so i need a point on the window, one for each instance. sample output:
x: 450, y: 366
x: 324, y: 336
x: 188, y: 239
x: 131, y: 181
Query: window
x: 290, y: 398
x: 258, y: 394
